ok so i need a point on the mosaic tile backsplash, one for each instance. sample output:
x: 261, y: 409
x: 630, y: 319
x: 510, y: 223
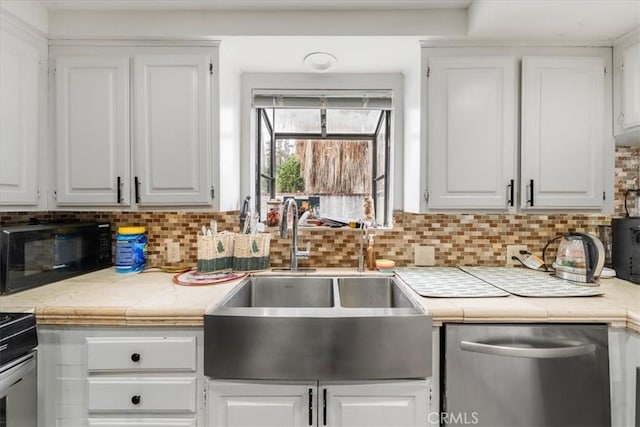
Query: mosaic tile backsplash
x: 459, y: 239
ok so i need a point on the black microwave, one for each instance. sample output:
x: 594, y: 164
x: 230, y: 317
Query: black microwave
x: 34, y: 255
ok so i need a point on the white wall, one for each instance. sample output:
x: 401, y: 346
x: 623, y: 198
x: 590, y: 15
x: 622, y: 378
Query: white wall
x: 394, y: 82
x: 30, y: 12
x: 228, y: 165
x: 98, y: 24
x: 413, y: 174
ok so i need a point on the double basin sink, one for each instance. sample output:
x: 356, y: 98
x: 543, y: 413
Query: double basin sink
x: 324, y: 328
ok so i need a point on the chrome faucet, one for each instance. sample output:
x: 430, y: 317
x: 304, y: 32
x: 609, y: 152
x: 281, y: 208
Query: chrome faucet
x: 363, y: 239
x: 295, y: 253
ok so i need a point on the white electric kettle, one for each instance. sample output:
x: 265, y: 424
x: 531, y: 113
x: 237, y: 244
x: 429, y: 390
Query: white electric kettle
x: 580, y: 258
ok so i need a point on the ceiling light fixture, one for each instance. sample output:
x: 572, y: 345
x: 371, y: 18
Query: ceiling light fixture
x: 320, y: 61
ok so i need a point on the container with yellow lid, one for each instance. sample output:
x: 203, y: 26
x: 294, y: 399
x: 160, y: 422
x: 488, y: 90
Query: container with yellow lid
x: 131, y: 249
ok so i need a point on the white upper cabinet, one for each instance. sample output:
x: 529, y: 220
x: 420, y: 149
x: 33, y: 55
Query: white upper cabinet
x: 562, y: 132
x: 472, y: 132
x: 22, y: 81
x: 92, y: 125
x: 626, y: 82
x: 631, y: 85
x: 518, y: 128
x: 172, y: 129
x: 133, y: 126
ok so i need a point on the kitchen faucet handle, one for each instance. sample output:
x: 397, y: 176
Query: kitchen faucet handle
x: 304, y: 254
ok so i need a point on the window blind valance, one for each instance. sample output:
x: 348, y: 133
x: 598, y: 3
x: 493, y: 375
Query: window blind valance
x: 328, y: 99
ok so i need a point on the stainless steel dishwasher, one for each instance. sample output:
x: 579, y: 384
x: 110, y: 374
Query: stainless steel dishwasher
x: 525, y: 375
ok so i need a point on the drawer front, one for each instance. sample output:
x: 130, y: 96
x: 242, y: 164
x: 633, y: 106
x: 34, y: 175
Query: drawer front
x: 142, y: 422
x: 141, y: 354
x: 176, y: 394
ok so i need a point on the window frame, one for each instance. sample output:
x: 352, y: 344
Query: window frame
x: 405, y: 123
x: 383, y: 122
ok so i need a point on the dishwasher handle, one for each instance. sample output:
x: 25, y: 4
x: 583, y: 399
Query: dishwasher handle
x: 537, y: 349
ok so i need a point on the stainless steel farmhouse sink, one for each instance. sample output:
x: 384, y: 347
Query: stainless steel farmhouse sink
x: 325, y: 328
x: 267, y: 291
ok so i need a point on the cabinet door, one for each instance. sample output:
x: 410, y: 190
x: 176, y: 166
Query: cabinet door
x: 239, y: 404
x: 562, y: 132
x: 92, y: 131
x: 472, y: 132
x: 19, y: 120
x: 385, y: 404
x: 631, y: 86
x: 172, y: 129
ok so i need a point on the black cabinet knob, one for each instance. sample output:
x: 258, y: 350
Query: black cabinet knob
x: 135, y: 399
x: 135, y: 357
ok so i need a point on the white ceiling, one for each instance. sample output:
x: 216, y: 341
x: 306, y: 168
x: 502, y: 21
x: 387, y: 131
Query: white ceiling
x: 599, y: 20
x: 252, y: 4
x: 353, y: 54
x: 530, y: 21
x: 549, y: 20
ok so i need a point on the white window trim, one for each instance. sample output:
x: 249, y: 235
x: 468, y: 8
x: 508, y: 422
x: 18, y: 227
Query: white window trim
x: 288, y: 81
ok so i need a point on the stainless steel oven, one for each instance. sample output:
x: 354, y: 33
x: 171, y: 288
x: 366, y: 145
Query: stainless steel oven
x: 18, y: 370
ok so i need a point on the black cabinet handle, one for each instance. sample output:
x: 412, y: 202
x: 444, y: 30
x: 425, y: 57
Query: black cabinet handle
x: 530, y: 201
x: 135, y: 399
x: 310, y: 406
x: 135, y: 357
x: 324, y: 406
x: 511, y: 192
x: 136, y: 185
x: 118, y: 191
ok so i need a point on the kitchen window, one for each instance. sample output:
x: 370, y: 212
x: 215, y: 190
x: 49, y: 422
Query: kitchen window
x: 329, y: 152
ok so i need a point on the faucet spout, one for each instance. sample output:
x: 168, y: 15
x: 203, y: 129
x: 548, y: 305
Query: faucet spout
x: 284, y: 231
x: 363, y: 239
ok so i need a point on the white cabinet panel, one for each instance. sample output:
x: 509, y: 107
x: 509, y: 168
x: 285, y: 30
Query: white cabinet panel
x: 273, y: 404
x: 142, y: 422
x: 19, y: 120
x: 92, y: 124
x: 172, y: 129
x: 624, y: 359
x: 562, y: 132
x: 241, y: 404
x: 631, y: 86
x: 79, y: 388
x: 141, y: 353
x: 472, y: 132
x: 142, y: 394
x: 387, y: 404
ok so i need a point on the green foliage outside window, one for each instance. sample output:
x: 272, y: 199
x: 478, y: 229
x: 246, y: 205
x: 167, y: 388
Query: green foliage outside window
x: 288, y: 176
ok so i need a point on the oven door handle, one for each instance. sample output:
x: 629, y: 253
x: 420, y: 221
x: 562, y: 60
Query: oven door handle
x: 534, y: 349
x: 22, y: 367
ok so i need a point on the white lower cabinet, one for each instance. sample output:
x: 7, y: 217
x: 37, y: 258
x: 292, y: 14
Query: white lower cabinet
x: 142, y: 394
x: 345, y: 404
x: 624, y: 360
x: 120, y: 377
x: 388, y: 404
x: 142, y: 422
x: 261, y: 404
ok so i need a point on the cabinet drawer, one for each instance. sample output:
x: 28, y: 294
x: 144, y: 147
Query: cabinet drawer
x: 142, y: 422
x: 142, y: 394
x: 141, y: 354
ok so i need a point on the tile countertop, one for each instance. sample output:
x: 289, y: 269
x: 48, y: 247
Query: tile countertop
x: 105, y: 298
